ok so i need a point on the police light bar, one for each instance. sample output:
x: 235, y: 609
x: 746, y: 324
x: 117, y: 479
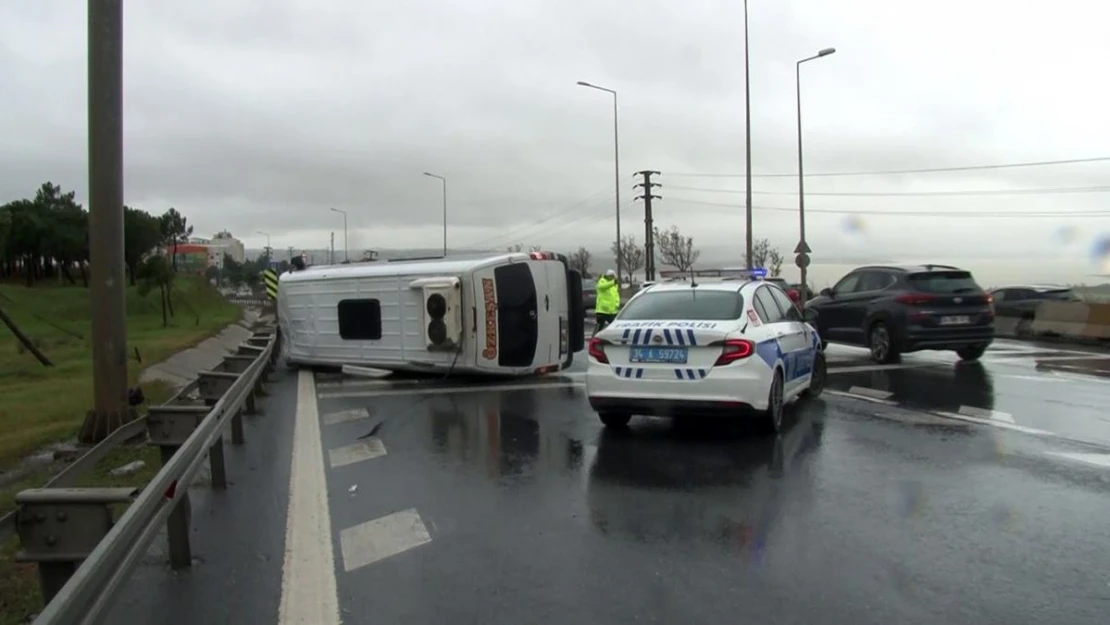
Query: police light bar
x: 758, y: 272
x: 541, y: 255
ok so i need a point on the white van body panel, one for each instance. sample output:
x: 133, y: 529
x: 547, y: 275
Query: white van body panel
x: 308, y: 313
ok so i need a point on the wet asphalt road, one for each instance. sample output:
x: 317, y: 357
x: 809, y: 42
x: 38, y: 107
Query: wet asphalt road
x: 928, y: 492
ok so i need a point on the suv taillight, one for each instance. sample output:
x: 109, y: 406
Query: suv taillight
x: 914, y: 299
x: 793, y: 294
x: 733, y: 350
x: 596, y: 350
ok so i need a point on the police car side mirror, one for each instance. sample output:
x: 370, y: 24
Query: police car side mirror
x: 810, y: 315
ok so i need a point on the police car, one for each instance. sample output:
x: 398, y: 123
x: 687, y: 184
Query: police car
x: 733, y: 347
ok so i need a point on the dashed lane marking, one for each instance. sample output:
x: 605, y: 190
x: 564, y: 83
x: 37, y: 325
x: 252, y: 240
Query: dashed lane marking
x: 871, y: 393
x: 370, y: 542
x: 344, y: 416
x: 353, y: 384
x: 1101, y: 460
x: 492, y: 388
x: 982, y: 413
x: 357, y: 452
x: 308, y: 587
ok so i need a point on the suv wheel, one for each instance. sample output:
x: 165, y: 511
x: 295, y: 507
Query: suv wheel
x: 614, y: 420
x: 971, y: 354
x: 881, y: 344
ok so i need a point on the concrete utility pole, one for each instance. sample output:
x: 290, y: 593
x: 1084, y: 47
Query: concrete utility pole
x: 109, y: 310
x: 331, y: 258
x: 649, y: 223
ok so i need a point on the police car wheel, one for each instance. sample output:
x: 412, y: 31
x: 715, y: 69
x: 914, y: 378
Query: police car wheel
x: 775, y: 405
x: 614, y: 420
x: 817, y: 380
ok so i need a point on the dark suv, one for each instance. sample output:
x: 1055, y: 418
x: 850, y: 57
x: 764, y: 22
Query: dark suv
x: 894, y: 310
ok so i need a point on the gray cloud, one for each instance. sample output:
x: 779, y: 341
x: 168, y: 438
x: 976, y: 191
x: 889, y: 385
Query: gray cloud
x: 252, y: 116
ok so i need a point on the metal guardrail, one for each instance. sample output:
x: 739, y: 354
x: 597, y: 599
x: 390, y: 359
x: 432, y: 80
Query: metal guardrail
x: 60, y: 526
x: 68, y: 476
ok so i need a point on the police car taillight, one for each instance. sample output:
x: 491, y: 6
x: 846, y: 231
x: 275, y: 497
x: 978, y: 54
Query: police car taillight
x: 597, y: 350
x: 735, y: 349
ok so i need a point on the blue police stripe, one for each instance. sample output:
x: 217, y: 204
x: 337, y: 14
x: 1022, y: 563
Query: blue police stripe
x: 647, y: 337
x: 636, y: 337
x: 678, y: 337
x: 693, y: 340
x: 678, y: 373
x: 639, y: 373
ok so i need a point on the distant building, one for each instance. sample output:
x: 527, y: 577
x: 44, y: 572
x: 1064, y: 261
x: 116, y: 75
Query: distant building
x: 223, y: 243
x: 200, y: 253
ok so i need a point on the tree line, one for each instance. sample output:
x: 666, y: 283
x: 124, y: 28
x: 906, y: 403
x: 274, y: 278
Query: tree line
x: 45, y: 238
x: 672, y: 248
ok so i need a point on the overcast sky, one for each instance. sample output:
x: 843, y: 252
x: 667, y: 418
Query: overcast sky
x: 249, y: 116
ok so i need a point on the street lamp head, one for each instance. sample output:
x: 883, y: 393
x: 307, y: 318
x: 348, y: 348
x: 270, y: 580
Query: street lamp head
x: 826, y: 52
x: 583, y: 83
x: 427, y: 174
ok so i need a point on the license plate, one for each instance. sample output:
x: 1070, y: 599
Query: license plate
x: 961, y: 320
x: 675, y: 355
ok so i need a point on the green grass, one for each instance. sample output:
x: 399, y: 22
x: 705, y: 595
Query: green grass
x: 41, y: 405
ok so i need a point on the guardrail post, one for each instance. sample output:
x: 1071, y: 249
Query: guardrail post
x: 212, y: 386
x: 169, y: 427
x: 59, y: 527
x: 239, y: 364
x: 177, y: 524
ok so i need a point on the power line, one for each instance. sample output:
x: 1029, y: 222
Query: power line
x: 890, y: 172
x: 912, y: 213
x: 541, y: 227
x: 590, y: 202
x: 969, y: 192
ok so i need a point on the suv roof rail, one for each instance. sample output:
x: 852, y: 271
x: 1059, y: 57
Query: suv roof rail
x: 931, y: 266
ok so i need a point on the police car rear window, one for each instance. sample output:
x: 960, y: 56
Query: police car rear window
x: 684, y: 304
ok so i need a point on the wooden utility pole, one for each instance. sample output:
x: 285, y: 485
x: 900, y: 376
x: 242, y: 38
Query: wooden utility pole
x: 649, y: 227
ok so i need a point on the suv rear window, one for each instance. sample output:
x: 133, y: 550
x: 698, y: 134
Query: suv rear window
x: 685, y: 304
x: 944, y: 282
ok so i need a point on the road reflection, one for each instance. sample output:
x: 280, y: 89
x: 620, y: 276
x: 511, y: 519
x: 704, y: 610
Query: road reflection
x: 508, y: 435
x: 699, y: 482
x: 940, y: 387
x: 1098, y: 367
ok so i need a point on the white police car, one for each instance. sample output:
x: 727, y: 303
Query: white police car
x: 719, y: 348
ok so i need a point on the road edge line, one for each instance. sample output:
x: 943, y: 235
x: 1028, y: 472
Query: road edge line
x: 309, y: 594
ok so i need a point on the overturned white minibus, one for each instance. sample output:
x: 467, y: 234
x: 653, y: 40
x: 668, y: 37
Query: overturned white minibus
x: 511, y: 314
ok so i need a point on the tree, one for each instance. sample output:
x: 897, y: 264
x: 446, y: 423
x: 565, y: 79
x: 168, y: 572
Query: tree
x: 675, y: 249
x: 156, y: 273
x: 142, y: 232
x: 630, y: 254
x: 763, y: 255
x: 580, y: 261
x: 175, y: 229
x: 518, y: 247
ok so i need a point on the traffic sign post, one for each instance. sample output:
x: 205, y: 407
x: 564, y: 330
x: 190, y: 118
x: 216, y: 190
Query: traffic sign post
x: 801, y: 260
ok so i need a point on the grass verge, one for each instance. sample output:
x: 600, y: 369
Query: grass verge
x: 43, y: 405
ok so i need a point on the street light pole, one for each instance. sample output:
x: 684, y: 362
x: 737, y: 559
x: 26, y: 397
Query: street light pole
x: 346, y: 258
x: 801, y: 175
x: 269, y: 252
x: 444, y: 181
x: 616, y: 175
x: 747, y: 146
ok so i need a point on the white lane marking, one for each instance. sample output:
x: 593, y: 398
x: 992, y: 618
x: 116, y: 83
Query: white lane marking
x: 1101, y: 460
x: 493, y: 388
x: 870, y: 392
x: 354, y: 384
x: 381, y: 538
x: 308, y: 588
x: 874, y: 400
x: 983, y: 413
x: 1010, y: 359
x: 832, y: 369
x: 357, y: 452
x: 998, y: 424
x: 343, y: 416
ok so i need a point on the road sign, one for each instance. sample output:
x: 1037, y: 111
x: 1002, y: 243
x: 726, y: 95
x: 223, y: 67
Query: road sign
x: 801, y: 261
x: 270, y: 279
x: 802, y: 248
